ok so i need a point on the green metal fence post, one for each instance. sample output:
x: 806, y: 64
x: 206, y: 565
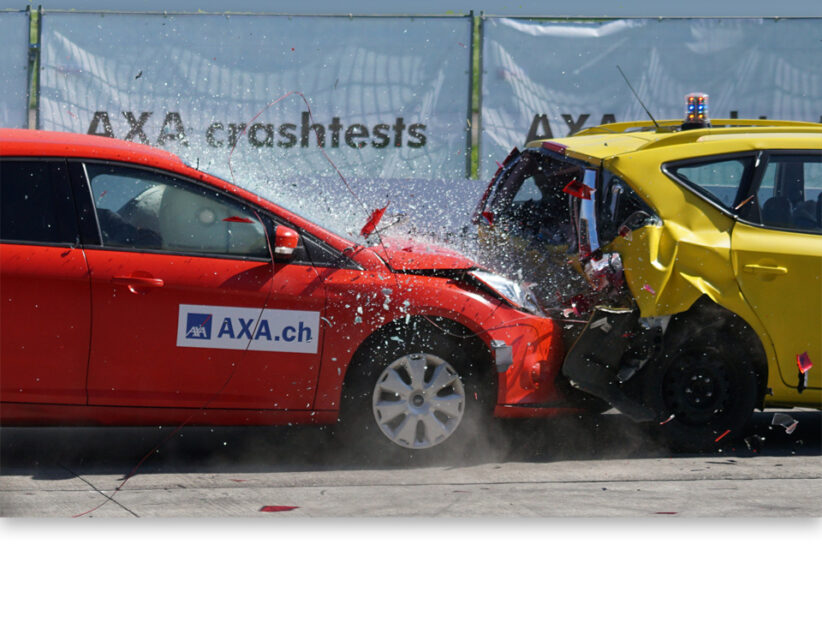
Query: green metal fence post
x: 480, y: 79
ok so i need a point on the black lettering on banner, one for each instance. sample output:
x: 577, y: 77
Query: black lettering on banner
x: 380, y: 133
x: 607, y: 118
x: 137, y: 126
x: 575, y: 126
x: 287, y: 135
x: 414, y: 131
x: 172, y: 120
x: 101, y: 116
x: 234, y: 132
x: 288, y: 131
x: 335, y: 128
x: 539, y: 120
x: 210, y: 134
x: 356, y: 131
x: 268, y: 141
x: 317, y: 128
x: 399, y: 126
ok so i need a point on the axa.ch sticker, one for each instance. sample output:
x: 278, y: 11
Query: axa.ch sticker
x: 238, y: 328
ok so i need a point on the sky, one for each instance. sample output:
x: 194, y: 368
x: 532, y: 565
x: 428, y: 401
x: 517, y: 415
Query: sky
x: 583, y: 8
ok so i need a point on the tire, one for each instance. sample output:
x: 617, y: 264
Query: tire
x: 709, y: 385
x: 414, y: 397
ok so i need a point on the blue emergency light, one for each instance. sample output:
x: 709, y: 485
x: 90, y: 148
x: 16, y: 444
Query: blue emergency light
x: 696, y: 111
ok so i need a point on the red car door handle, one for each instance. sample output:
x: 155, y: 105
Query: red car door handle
x: 139, y: 285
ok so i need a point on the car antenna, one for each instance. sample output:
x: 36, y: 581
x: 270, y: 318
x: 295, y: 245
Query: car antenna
x: 648, y: 112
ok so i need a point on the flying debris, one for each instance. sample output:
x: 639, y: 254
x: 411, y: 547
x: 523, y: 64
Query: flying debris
x: 783, y: 420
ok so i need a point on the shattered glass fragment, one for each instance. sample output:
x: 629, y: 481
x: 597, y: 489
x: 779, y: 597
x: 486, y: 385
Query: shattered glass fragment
x: 602, y: 323
x: 755, y: 443
x: 783, y: 420
x: 605, y: 272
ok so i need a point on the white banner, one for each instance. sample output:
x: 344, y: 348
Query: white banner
x: 550, y: 79
x: 14, y: 34
x: 385, y: 97
x: 238, y: 328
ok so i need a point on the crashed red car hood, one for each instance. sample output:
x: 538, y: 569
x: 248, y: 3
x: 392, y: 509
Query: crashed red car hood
x: 407, y: 255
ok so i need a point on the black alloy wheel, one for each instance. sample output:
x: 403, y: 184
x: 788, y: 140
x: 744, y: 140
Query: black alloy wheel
x: 709, y: 385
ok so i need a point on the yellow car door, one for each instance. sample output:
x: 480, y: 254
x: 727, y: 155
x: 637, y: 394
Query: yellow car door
x: 778, y: 264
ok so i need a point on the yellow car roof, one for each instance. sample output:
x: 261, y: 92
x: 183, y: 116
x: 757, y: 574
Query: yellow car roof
x: 608, y: 140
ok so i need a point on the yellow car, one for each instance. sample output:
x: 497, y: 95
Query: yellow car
x: 685, y: 259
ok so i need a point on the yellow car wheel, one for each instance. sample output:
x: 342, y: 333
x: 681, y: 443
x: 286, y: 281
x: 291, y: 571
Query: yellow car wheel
x: 710, y: 386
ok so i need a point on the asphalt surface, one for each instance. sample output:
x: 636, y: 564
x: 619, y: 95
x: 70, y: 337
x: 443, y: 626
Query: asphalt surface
x: 604, y: 467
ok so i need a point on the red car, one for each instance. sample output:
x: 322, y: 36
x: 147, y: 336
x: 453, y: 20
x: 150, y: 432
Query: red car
x: 139, y: 291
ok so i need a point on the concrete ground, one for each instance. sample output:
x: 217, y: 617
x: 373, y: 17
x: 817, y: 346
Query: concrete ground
x: 570, y: 468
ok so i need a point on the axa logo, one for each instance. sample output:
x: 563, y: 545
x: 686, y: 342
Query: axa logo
x: 198, y: 326
x: 244, y: 328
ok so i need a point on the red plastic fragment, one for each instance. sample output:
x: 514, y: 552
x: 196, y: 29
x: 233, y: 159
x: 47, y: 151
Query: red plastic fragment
x: 578, y: 190
x: 648, y: 288
x: 554, y: 147
x: 373, y: 221
x: 721, y: 436
x: 277, y: 509
x: 238, y: 219
x: 803, y: 362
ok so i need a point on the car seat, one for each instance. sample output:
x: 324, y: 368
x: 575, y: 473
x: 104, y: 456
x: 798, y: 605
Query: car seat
x: 804, y: 215
x: 776, y: 212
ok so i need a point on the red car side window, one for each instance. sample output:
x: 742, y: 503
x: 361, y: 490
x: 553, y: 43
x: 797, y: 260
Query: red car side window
x: 145, y: 210
x: 36, y: 202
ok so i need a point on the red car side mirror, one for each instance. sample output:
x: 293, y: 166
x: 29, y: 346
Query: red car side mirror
x: 285, y: 241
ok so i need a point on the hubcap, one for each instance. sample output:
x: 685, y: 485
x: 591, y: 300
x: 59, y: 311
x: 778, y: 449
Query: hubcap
x: 697, y: 387
x: 418, y: 401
